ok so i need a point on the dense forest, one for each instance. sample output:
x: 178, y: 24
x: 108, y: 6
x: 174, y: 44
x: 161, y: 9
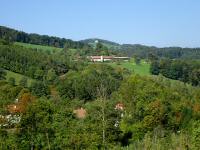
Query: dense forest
x: 187, y: 71
x: 166, y: 52
x: 19, y: 36
x: 76, y: 104
x: 146, y: 52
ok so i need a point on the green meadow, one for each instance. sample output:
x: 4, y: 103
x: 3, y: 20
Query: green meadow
x: 142, y: 69
x: 40, y: 47
x: 17, y: 77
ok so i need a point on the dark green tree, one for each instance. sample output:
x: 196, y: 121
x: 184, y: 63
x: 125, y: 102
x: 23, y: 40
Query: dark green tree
x: 23, y: 82
x: 11, y: 80
x: 2, y: 74
x: 38, y: 88
x: 154, y: 68
x: 137, y: 59
x: 36, y: 126
x: 51, y: 76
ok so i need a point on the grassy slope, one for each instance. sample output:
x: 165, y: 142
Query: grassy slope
x: 17, y: 77
x: 141, y: 69
x: 41, y: 47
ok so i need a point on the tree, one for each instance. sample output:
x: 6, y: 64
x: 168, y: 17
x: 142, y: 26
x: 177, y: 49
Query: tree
x: 79, y: 85
x: 38, y: 88
x: 99, y: 46
x: 137, y: 59
x: 152, y: 57
x: 154, y: 68
x: 39, y: 73
x: 11, y: 80
x: 196, y: 135
x: 25, y: 99
x: 195, y: 77
x: 2, y: 74
x: 51, y: 76
x: 23, y: 82
x: 36, y: 124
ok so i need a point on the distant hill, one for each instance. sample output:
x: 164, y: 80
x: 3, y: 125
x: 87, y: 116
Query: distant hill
x: 33, y: 38
x: 125, y: 49
x: 109, y: 44
x: 165, y: 52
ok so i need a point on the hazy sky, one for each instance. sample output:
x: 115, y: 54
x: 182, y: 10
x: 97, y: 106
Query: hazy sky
x: 151, y: 22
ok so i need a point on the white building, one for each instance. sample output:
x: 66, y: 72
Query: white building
x: 106, y: 58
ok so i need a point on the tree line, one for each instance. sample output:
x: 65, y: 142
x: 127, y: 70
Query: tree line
x: 29, y: 62
x: 19, y: 36
x: 145, y: 52
x: 187, y: 71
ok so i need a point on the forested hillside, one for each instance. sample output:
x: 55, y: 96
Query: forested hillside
x: 58, y: 99
x: 166, y: 52
x: 187, y: 71
x: 19, y: 36
x: 109, y: 44
x: 146, y: 52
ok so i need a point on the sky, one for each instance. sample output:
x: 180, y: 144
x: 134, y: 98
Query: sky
x: 150, y: 22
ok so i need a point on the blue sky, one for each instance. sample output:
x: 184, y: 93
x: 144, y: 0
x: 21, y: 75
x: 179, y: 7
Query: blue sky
x: 150, y: 22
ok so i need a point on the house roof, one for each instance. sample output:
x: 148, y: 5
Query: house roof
x: 99, y: 57
x: 80, y: 113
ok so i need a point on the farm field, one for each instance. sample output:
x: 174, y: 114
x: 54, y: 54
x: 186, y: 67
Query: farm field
x: 142, y: 69
x: 41, y: 47
x: 17, y: 77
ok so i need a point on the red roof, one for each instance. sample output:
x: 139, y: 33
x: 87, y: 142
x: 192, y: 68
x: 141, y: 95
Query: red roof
x: 104, y: 57
x: 108, y: 57
x: 95, y: 57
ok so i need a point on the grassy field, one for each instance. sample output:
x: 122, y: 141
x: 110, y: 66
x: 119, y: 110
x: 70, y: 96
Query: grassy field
x: 17, y: 77
x: 41, y: 47
x: 142, y: 69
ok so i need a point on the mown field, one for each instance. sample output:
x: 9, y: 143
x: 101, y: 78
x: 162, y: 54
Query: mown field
x: 142, y: 69
x: 17, y: 77
x: 40, y: 47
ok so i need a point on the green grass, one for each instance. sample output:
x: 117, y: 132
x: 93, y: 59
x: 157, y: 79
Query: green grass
x: 142, y: 69
x: 40, y: 47
x: 17, y: 77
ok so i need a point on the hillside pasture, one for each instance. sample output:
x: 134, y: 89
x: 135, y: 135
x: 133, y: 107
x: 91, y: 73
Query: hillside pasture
x: 39, y: 47
x: 142, y: 69
x: 17, y: 77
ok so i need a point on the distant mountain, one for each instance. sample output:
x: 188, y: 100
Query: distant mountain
x: 109, y: 44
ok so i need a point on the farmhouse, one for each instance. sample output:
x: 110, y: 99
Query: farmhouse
x: 106, y: 58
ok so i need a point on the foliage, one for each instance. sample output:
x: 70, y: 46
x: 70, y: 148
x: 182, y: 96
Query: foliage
x: 17, y: 36
x: 167, y: 52
x: 23, y: 82
x: 45, y: 90
x: 150, y: 103
x: 184, y: 70
x: 85, y: 84
x: 11, y: 80
x: 34, y: 64
x: 39, y: 89
x: 36, y: 126
x: 2, y: 74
